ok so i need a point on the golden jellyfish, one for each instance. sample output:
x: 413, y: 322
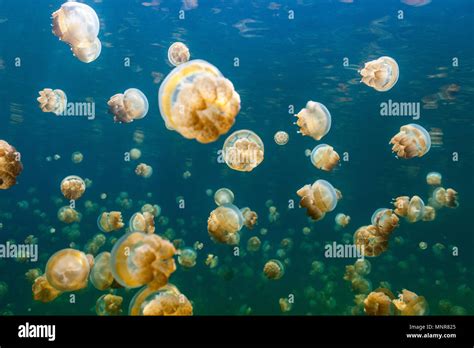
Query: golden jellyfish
x: 144, y: 170
x: 324, y: 157
x: 433, y: 179
x: 68, y: 270
x: 129, y: 106
x: 43, y: 291
x: 198, y: 102
x: 187, y: 257
x: 10, y: 165
x: 281, y: 137
x: 223, y: 196
x: 285, y: 304
x: 68, y: 215
x: 178, y: 53
x: 416, y: 209
x: 274, y: 270
x: 445, y: 198
x: 135, y: 154
x: 101, y: 274
x: 108, y: 305
x: 362, y: 267
x: 77, y: 157
x: 380, y: 74
x: 314, y: 120
x: 342, y: 219
x: 250, y: 218
x: 361, y: 285
x: 87, y: 52
x: 142, y: 222
x: 429, y: 213
x: 225, y: 223
x: 412, y: 141
x: 253, y: 244
x: 138, y: 259
x: 385, y: 220
x: 243, y: 150
x: 410, y: 303
x: 318, y: 198
x: 378, y: 303
x: 370, y: 241
x: 54, y: 101
x: 401, y: 205
x: 167, y: 301
x: 110, y: 221
x: 211, y: 261
x: 73, y: 187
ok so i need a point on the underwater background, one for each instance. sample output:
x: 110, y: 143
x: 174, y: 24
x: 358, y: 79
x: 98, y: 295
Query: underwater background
x: 282, y: 63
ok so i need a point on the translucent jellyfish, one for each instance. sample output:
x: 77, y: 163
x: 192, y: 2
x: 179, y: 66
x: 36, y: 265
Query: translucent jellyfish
x: 187, y: 257
x: 281, y: 138
x: 129, y: 106
x: 110, y: 221
x: 371, y: 242
x: 198, y: 102
x: 32, y: 274
x: 243, y: 150
x: 224, y: 196
x: 342, y: 219
x: 108, y: 305
x: 378, y: 303
x: 138, y: 259
x: 401, y: 205
x: 43, y: 291
x: 273, y: 270
x: 167, y: 301
x: 429, y: 213
x: 324, y: 157
x: 144, y: 170
x: 285, y: 305
x: 87, y: 51
x: 416, y: 209
x: 142, y: 222
x: 380, y: 74
x: 445, y: 198
x: 68, y: 270
x: 101, y: 274
x: 385, y: 220
x: 362, y: 267
x: 68, y: 215
x: 253, y: 244
x: 250, y: 218
x: 135, y: 154
x: 212, y: 261
x: 225, y: 223
x: 318, y: 198
x: 410, y: 303
x: 178, y: 53
x: 361, y: 285
x: 54, y: 101
x: 77, y: 157
x: 412, y: 141
x: 433, y: 179
x: 314, y: 120
x: 73, y: 187
x: 10, y: 165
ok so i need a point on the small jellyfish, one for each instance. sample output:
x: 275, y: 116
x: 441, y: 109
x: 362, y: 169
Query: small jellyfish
x: 429, y: 214
x: 423, y: 245
x: 361, y: 285
x: 250, y: 218
x: 144, y: 170
x: 416, y: 209
x: 342, y: 220
x: 108, y: 305
x: 135, y: 154
x: 10, y: 165
x: 73, y: 187
x: 186, y: 174
x: 211, y: 261
x: 253, y: 244
x: 314, y: 120
x: 43, y: 291
x: 142, y: 222
x: 129, y: 106
x: 68, y: 270
x: 223, y: 196
x: 324, y: 157
x: 273, y: 270
x: 433, y: 179
x: 243, y: 150
x: 318, y: 198
x: 401, y: 205
x: 32, y: 274
x: 166, y: 301
x: 385, y: 220
x: 110, y: 221
x: 412, y: 141
x: 378, y: 303
x: 445, y: 198
x: 178, y: 53
x: 370, y: 240
x: 380, y: 74
x: 68, y: 215
x: 198, y: 102
x: 54, y: 101
x: 285, y: 305
x: 77, y: 157
x: 225, y: 223
x: 187, y: 257
x: 362, y: 267
x: 101, y: 274
x: 281, y: 137
x: 411, y: 304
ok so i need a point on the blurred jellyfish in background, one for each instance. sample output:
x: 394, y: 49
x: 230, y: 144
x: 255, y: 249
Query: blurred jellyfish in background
x: 154, y: 210
x: 281, y: 137
x: 212, y: 261
x: 77, y: 157
x: 250, y: 218
x: 68, y: 215
x: 73, y: 187
x: 68, y: 270
x: 10, y: 165
x: 78, y: 25
x: 444, y: 198
x: 285, y: 305
x: 429, y: 213
x: 243, y: 150
x: 101, y: 274
x: 108, y: 305
x: 43, y: 291
x: 135, y: 154
x: 110, y: 221
x: 273, y: 269
x: 198, y: 102
x: 342, y: 220
x: 324, y: 157
x: 187, y: 257
x: 178, y: 53
x: 314, y: 120
x: 223, y: 196
x: 273, y: 214
x: 54, y: 101
x: 129, y: 106
x: 92, y: 246
x: 318, y: 198
x: 412, y: 141
x: 225, y: 223
x: 142, y: 222
x: 433, y: 179
x: 253, y: 244
x: 144, y: 170
x: 380, y: 74
x: 32, y: 274
x: 166, y: 301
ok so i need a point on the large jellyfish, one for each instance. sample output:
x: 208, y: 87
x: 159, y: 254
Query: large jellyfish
x: 43, y: 291
x: 198, y: 102
x: 142, y: 222
x: 110, y: 221
x: 223, y: 196
x: 412, y: 141
x: 54, y: 101
x: 10, y: 165
x: 445, y: 198
x: 243, y: 150
x: 68, y: 270
x: 385, y: 220
x: 314, y: 120
x: 370, y: 240
x: 225, y: 223
x: 166, y: 301
x: 380, y: 74
x: 324, y: 157
x: 73, y: 187
x: 129, y: 106
x: 274, y: 269
x: 178, y: 53
x: 101, y: 274
x: 318, y: 198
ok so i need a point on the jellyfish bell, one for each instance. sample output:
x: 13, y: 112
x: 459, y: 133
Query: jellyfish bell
x: 369, y: 240
x: 445, y: 198
x: 178, y: 53
x: 109, y: 304
x: 223, y: 196
x: 281, y: 137
x: 225, y: 223
x: 318, y: 198
x: 380, y: 74
x: 429, y: 213
x: 187, y: 257
x: 385, y: 220
x: 110, y: 221
x: 144, y: 170
x: 54, y: 101
x: 243, y: 150
x: 378, y: 303
x: 87, y: 51
x: 433, y: 178
x: 142, y: 222
x: 10, y: 165
x: 101, y: 274
x: 401, y: 205
x: 314, y: 120
x: 129, y: 106
x: 416, y: 209
x: 165, y: 301
x: 68, y: 215
x: 253, y: 244
x: 250, y: 217
x: 198, y: 102
x: 73, y: 187
x: 274, y: 269
x: 412, y: 141
x: 411, y: 304
x: 342, y: 219
x: 68, y: 270
x: 324, y: 157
